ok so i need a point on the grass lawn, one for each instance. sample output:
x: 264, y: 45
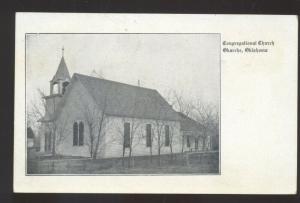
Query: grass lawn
x: 200, y: 163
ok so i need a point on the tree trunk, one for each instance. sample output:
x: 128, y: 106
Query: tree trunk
x: 91, y: 151
x: 182, y: 144
x: 53, y: 144
x: 129, y: 157
x: 99, y: 136
x: 123, y: 156
x: 203, y: 143
x: 158, y: 143
x: 91, y: 140
x: 151, y: 153
x: 182, y: 154
x: 171, y: 151
x: 96, y: 148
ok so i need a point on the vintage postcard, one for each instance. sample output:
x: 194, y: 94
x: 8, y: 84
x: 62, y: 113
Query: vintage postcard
x: 155, y: 103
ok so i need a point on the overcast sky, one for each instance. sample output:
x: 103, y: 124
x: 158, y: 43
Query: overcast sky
x: 186, y: 63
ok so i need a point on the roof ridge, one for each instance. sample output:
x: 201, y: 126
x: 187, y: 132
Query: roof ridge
x: 144, y: 108
x: 112, y: 81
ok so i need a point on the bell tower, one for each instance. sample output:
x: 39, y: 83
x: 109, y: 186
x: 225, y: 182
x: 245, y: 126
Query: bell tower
x: 61, y: 78
x: 58, y: 86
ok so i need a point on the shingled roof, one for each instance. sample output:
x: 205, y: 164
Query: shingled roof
x: 189, y: 124
x: 62, y: 71
x: 119, y: 99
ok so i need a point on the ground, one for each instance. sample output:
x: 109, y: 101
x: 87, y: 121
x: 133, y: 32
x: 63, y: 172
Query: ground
x: 187, y: 163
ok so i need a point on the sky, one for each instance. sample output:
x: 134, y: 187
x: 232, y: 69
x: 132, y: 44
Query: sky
x: 186, y: 63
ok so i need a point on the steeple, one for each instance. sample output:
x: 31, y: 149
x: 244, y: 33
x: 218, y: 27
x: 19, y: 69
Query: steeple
x: 61, y: 78
x: 62, y: 72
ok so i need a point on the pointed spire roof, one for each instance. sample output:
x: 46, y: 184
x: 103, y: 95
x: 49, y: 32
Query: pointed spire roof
x: 62, y: 71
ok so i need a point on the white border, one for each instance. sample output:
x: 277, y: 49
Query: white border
x: 259, y: 104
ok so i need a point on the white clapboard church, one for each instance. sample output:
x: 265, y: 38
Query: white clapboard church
x: 87, y: 115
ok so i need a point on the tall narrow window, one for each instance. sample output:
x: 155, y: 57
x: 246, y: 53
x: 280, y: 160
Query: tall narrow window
x: 188, y: 144
x: 55, y: 89
x: 65, y: 84
x: 81, y: 133
x: 47, y: 142
x: 196, y: 143
x: 126, y: 135
x: 148, y: 135
x: 167, y: 136
x: 75, y: 134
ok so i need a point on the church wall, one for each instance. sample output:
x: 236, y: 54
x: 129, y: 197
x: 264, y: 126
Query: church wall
x: 51, y: 103
x: 111, y: 143
x: 115, y: 132
x: 44, y: 128
x: 42, y: 137
x: 73, y: 111
x: 201, y: 142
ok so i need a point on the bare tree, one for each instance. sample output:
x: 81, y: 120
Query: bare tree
x: 161, y: 139
x: 160, y: 124
x: 158, y: 137
x: 59, y: 131
x: 171, y: 140
x: 135, y: 134
x: 207, y: 115
x: 133, y: 137
x: 150, y: 141
x: 97, y: 121
x: 120, y: 139
x: 181, y: 105
x: 36, y: 110
x: 151, y: 145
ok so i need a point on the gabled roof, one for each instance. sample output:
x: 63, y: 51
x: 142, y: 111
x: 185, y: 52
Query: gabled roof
x: 189, y: 124
x: 119, y: 99
x: 62, y: 71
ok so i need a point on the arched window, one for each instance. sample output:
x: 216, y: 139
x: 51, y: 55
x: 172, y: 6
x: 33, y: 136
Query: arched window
x: 81, y: 133
x: 55, y: 88
x: 75, y: 134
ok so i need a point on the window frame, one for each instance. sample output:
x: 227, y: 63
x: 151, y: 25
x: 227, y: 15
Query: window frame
x: 167, y: 135
x: 81, y: 133
x: 55, y: 88
x: 126, y: 139
x: 196, y: 143
x: 78, y: 133
x: 188, y: 144
x: 148, y: 135
x: 47, y: 143
x: 64, y: 86
x: 75, y: 133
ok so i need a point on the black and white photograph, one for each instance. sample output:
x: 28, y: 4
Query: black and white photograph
x: 155, y: 103
x: 122, y: 103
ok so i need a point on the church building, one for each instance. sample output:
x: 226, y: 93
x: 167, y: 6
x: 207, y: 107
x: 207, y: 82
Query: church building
x: 91, y: 117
